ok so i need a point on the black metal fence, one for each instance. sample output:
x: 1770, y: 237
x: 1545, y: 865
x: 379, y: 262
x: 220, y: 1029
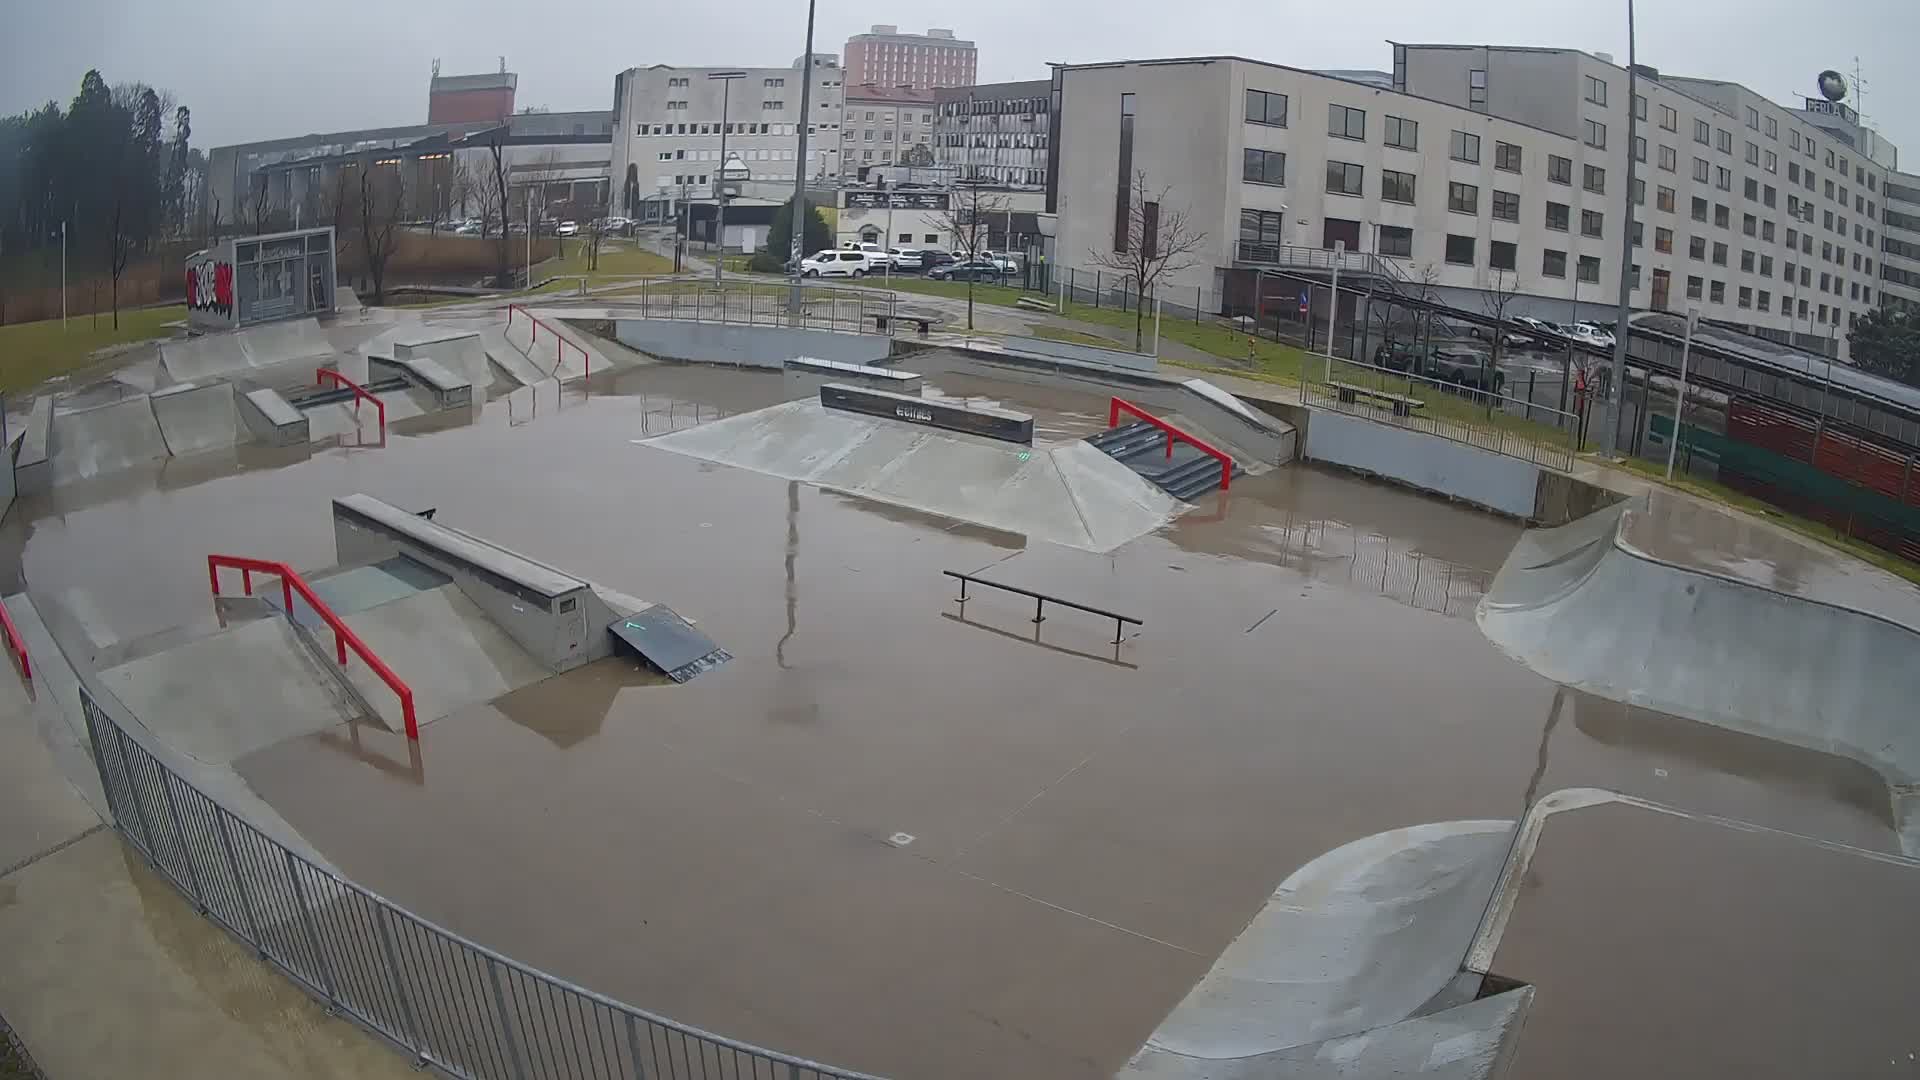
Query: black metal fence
x: 458, y: 1007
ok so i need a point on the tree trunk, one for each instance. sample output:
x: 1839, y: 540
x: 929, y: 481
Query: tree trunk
x: 1139, y: 319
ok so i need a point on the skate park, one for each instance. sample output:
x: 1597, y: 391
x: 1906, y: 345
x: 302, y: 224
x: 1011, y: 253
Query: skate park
x: 1368, y: 778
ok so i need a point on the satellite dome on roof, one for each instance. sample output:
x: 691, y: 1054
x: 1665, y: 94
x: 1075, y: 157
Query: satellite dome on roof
x: 1833, y: 85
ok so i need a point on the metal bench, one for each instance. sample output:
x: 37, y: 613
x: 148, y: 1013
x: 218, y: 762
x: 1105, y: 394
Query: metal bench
x: 1036, y: 304
x: 881, y: 320
x: 1349, y: 393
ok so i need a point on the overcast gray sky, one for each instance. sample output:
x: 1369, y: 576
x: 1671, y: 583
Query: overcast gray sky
x: 257, y: 69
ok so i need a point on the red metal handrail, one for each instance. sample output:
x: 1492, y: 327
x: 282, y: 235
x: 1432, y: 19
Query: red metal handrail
x: 16, y: 643
x: 560, y: 342
x: 325, y: 375
x: 1117, y: 406
x: 343, y: 637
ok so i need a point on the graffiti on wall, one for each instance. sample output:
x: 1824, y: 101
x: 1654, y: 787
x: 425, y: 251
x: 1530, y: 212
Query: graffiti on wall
x: 210, y: 287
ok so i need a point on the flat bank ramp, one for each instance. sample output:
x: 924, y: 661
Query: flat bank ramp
x: 93, y: 442
x: 1359, y: 939
x: 195, y: 417
x: 1587, y: 606
x: 1068, y: 493
x: 232, y: 352
x: 449, y: 653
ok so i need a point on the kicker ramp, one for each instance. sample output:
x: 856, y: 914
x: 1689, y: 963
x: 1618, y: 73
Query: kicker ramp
x: 233, y: 352
x: 106, y: 439
x: 195, y: 417
x: 559, y: 619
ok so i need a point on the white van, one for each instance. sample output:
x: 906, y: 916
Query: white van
x: 842, y: 263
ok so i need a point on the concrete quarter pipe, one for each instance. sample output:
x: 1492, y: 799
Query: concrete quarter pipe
x: 1600, y: 605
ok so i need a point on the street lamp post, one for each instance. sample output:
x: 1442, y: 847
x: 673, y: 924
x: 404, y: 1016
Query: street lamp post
x: 799, y: 219
x: 1616, y: 388
x: 725, y: 79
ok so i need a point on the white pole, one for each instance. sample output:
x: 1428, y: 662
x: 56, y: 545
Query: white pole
x: 529, y: 200
x: 1333, y: 301
x: 1680, y: 399
x: 63, y: 277
x: 1156, y: 326
x: 886, y: 242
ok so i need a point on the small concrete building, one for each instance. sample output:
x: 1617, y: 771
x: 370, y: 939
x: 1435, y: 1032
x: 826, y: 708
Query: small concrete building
x: 254, y: 279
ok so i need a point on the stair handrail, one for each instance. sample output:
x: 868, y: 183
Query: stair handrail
x: 343, y: 636
x: 560, y: 341
x: 16, y: 643
x: 1118, y: 406
x: 326, y: 374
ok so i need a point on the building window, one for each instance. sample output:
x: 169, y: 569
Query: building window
x: 1766, y: 300
x: 1669, y: 120
x: 1506, y: 157
x: 1723, y: 140
x: 1463, y: 198
x: 1795, y: 143
x: 1264, y: 167
x: 1501, y: 255
x: 1396, y: 186
x: 1793, y: 172
x: 1702, y: 170
x: 1639, y: 232
x: 1460, y: 250
x: 1753, y: 118
x: 1746, y: 262
x: 1559, y: 169
x: 1344, y: 178
x: 1698, y: 210
x: 1476, y: 89
x: 1722, y: 217
x: 1464, y: 147
x: 1640, y: 106
x: 1594, y: 179
x: 1589, y: 268
x: 1697, y: 248
x: 1773, y: 128
x: 1122, y: 190
x: 1266, y: 108
x: 1750, y: 189
x: 1723, y: 178
x: 1719, y: 254
x: 1749, y: 225
x: 1596, y: 134
x: 1596, y: 90
x: 1553, y: 263
x: 1766, y: 266
x: 1557, y: 216
x: 1506, y: 206
x: 1639, y: 148
x: 1773, y: 162
x: 1717, y: 292
x: 1669, y: 158
x: 1696, y: 286
x: 1261, y: 227
x: 1663, y: 199
x: 1345, y: 123
x: 1590, y: 222
x: 1753, y: 153
x: 1702, y: 132
x: 1396, y: 241
x: 1403, y: 134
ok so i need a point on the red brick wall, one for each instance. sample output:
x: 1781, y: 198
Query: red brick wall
x: 469, y: 106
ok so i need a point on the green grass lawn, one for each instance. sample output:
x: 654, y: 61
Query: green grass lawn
x: 617, y: 259
x: 1078, y: 337
x: 31, y: 353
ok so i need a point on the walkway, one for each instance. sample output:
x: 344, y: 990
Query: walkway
x: 88, y: 931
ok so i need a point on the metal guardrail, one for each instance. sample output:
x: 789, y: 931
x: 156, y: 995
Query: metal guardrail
x: 560, y: 342
x: 457, y: 1007
x: 1041, y: 600
x: 325, y: 375
x: 755, y: 303
x: 1556, y: 451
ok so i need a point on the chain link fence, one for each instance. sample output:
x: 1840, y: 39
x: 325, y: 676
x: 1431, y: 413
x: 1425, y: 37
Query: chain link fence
x: 458, y: 1007
x: 758, y: 304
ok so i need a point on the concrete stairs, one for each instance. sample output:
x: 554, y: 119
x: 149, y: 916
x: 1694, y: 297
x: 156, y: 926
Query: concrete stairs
x: 1187, y: 474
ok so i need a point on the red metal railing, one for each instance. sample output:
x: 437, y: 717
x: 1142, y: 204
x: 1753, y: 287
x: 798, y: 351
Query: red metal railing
x: 343, y: 637
x: 325, y: 375
x: 1117, y: 406
x: 559, y: 343
x: 16, y: 643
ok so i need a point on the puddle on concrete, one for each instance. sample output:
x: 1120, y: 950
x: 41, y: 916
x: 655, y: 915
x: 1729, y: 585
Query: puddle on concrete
x: 1092, y: 825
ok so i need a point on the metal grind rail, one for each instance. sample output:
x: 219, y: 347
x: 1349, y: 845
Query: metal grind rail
x: 328, y: 375
x: 1118, y: 406
x: 1041, y: 600
x: 560, y: 343
x: 343, y: 636
x: 16, y: 644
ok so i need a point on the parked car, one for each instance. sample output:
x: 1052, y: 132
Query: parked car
x: 467, y: 228
x: 844, y: 262
x: 567, y: 228
x: 932, y: 257
x: 876, y: 254
x: 1541, y: 329
x: 1510, y: 339
x: 906, y: 258
x: 1448, y: 364
x: 971, y: 270
x: 1004, y: 261
x: 1590, y: 334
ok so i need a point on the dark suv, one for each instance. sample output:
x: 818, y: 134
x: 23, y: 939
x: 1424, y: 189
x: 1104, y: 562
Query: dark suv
x: 1444, y: 363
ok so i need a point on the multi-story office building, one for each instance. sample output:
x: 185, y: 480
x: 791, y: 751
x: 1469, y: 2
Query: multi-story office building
x: 1763, y: 217
x: 882, y: 126
x: 886, y: 57
x: 668, y: 127
x: 1900, y: 242
x: 995, y: 132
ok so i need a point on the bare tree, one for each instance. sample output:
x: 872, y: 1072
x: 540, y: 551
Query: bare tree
x: 970, y: 208
x: 1158, y: 239
x: 493, y: 202
x: 382, y: 199
x: 461, y: 186
x: 1496, y: 299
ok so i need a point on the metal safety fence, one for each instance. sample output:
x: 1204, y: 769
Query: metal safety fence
x: 458, y: 1007
x: 1395, y: 568
x: 753, y: 303
x: 1455, y: 409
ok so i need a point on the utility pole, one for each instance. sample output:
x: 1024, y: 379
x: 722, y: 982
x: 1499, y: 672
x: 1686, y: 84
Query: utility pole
x: 1616, y: 385
x: 725, y: 79
x: 63, y: 277
x: 799, y: 229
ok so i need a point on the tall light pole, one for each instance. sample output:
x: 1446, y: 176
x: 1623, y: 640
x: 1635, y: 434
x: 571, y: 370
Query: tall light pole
x: 719, y: 175
x: 1616, y: 388
x: 799, y: 229
x: 63, y: 277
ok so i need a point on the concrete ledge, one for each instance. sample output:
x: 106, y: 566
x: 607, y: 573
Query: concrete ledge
x: 272, y: 418
x: 449, y: 390
x: 1086, y: 354
x: 1002, y: 424
x: 32, y: 467
x: 882, y: 378
x: 746, y: 345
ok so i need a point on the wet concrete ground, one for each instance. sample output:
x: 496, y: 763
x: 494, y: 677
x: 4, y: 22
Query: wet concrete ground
x: 1090, y: 826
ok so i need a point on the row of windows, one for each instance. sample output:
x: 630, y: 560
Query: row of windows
x: 993, y: 106
x: 715, y: 129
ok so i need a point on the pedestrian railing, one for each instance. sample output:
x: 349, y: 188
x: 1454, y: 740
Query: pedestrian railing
x: 760, y: 303
x: 1394, y: 567
x: 457, y: 1007
x: 1456, y: 410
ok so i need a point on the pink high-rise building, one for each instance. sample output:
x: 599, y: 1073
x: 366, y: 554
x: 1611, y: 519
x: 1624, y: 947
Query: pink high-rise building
x: 886, y: 57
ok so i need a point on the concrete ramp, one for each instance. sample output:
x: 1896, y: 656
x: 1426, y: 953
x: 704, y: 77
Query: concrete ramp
x: 1068, y: 493
x: 445, y: 648
x: 1357, y: 939
x: 94, y: 442
x: 1592, y: 605
x: 196, y: 417
x: 506, y: 358
x: 565, y: 362
x: 232, y: 352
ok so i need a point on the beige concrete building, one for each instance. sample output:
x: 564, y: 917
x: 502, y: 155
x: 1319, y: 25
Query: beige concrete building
x: 1900, y: 242
x: 881, y: 126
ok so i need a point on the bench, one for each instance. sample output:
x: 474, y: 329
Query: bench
x: 1036, y: 304
x: 1348, y: 393
x: 881, y: 320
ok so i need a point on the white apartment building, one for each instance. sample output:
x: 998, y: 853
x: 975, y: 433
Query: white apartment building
x: 1763, y: 217
x: 1273, y: 163
x: 1900, y: 242
x: 881, y: 126
x: 668, y: 128
x: 886, y: 57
